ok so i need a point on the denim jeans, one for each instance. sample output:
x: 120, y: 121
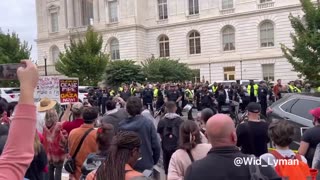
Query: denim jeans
x: 55, y: 171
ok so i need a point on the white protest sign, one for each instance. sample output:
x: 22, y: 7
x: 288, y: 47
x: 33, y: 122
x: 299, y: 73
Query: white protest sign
x: 48, y: 87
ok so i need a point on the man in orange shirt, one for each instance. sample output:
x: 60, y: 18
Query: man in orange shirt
x: 89, y: 145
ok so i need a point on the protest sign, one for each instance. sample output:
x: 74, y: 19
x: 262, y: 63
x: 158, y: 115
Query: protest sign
x: 48, y: 87
x: 69, y: 90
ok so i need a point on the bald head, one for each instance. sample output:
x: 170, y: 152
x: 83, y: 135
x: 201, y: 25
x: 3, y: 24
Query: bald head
x: 221, y: 131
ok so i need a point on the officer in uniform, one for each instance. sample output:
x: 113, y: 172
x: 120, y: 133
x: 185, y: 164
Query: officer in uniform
x: 214, y: 87
x: 104, y: 98
x: 174, y: 95
x: 293, y: 88
x: 147, y: 97
x: 253, y: 91
x: 263, y: 97
x: 206, y: 98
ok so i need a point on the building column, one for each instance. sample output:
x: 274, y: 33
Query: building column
x: 95, y: 11
x: 102, y: 11
x: 70, y: 13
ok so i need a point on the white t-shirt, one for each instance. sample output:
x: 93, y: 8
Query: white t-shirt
x: 270, y: 159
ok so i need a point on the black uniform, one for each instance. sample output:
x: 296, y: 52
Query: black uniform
x: 262, y: 94
x: 147, y: 97
x: 206, y: 100
x: 104, y: 98
x: 173, y: 95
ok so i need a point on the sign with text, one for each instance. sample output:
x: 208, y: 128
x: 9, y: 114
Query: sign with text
x: 48, y: 87
x: 69, y: 90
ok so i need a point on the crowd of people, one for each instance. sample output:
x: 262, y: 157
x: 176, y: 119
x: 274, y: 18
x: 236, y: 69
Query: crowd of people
x: 127, y: 141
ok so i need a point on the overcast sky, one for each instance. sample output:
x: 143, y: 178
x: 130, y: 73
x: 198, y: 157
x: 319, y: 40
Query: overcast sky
x: 20, y: 16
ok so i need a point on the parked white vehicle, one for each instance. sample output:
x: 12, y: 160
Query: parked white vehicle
x: 83, y: 93
x: 10, y: 94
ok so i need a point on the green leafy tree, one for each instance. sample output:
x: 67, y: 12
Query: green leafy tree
x: 165, y: 70
x: 84, y: 59
x: 123, y: 71
x: 305, y: 54
x: 12, y: 50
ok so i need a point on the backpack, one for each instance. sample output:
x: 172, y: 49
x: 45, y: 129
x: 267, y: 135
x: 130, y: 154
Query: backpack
x: 291, y: 170
x: 170, y: 136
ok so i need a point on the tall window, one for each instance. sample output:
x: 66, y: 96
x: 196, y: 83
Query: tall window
x: 227, y: 4
x: 113, y: 11
x: 164, y: 46
x: 194, y: 43
x: 228, y: 39
x: 86, y: 12
x: 163, y: 9
x: 266, y: 34
x: 265, y: 1
x: 193, y: 7
x: 54, y: 22
x: 55, y: 54
x: 114, y: 49
x: 268, y: 72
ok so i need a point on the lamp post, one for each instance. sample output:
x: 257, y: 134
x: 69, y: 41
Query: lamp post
x: 45, y: 65
x: 241, y: 68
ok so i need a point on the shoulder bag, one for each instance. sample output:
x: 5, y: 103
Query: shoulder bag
x: 70, y: 164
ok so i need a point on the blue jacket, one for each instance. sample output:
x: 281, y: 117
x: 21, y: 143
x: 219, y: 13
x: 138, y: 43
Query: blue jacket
x: 150, y: 147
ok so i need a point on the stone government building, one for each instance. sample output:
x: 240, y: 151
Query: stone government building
x: 224, y: 39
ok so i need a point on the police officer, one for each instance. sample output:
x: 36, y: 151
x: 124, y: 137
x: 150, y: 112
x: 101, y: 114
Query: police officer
x: 103, y: 99
x: 206, y: 98
x: 214, y: 87
x: 159, y: 95
x: 173, y: 94
x: 189, y: 97
x: 293, y: 88
x: 147, y: 97
x: 253, y: 91
x: 263, y: 97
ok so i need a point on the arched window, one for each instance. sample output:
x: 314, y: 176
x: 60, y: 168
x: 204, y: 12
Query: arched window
x: 55, y: 54
x: 86, y: 12
x: 114, y: 49
x: 164, y: 46
x: 194, y: 43
x: 228, y: 39
x: 266, y: 34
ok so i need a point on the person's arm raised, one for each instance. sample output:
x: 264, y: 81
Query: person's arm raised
x: 19, y: 151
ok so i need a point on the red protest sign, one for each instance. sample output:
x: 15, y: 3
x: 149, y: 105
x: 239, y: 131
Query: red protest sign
x: 69, y: 90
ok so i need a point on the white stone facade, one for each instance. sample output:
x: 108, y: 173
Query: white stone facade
x: 136, y: 26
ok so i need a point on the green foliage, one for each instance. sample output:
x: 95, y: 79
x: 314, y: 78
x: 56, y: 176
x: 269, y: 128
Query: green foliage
x: 305, y: 54
x: 84, y: 59
x: 165, y: 70
x: 12, y: 50
x: 123, y: 71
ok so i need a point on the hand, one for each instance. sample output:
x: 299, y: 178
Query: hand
x: 28, y: 76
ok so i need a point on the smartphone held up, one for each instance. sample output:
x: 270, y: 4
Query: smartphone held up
x: 9, y: 71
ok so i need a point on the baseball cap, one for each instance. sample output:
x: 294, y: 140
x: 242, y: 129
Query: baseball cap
x: 77, y: 108
x: 254, y: 107
x: 315, y: 112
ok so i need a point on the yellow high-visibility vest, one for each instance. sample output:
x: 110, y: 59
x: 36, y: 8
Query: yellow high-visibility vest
x: 214, y: 89
x: 120, y: 89
x: 133, y: 90
x: 112, y: 93
x: 155, y: 92
x: 318, y: 89
x: 190, y: 93
x: 294, y: 89
x: 255, y: 87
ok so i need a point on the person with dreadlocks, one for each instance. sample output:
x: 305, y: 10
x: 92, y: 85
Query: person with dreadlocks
x: 122, y: 156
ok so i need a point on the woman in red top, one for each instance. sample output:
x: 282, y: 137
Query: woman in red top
x: 55, y: 139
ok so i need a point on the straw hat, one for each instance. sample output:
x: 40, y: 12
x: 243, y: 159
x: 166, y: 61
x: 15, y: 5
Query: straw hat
x: 46, y: 104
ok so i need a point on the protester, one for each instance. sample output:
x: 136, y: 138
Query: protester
x: 219, y: 164
x: 55, y: 144
x: 76, y: 111
x: 104, y: 137
x: 281, y: 134
x: 277, y: 89
x: 39, y: 162
x: 44, y: 105
x: 123, y: 155
x: 168, y: 128
x: 19, y: 150
x: 113, y: 115
x: 150, y: 148
x: 89, y: 144
x: 190, y: 150
x: 311, y: 137
x: 253, y: 135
